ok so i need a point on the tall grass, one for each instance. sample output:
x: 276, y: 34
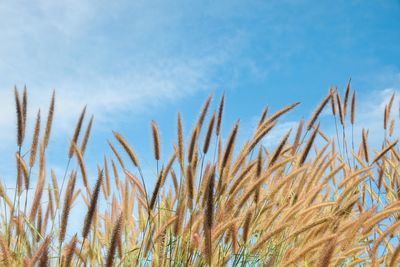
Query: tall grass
x: 312, y: 200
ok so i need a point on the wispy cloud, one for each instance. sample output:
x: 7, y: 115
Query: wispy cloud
x: 120, y: 64
x: 58, y: 46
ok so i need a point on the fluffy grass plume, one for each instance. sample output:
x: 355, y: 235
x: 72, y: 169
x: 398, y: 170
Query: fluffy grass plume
x: 309, y: 199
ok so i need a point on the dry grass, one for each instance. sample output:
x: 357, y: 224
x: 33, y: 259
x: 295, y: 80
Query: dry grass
x: 313, y: 200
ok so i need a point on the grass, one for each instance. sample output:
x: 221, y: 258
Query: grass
x: 313, y: 200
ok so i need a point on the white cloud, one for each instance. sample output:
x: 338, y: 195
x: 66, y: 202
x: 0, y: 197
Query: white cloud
x: 62, y: 45
x: 52, y: 45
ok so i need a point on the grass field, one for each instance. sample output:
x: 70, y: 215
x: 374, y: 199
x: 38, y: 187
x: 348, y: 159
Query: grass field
x: 313, y: 200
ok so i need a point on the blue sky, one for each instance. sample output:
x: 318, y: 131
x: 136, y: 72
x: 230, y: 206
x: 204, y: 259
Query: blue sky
x: 134, y: 61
